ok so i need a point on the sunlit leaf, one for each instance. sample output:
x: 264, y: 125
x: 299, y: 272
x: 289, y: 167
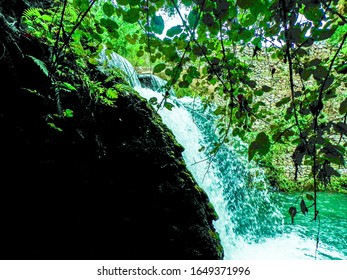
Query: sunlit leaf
x: 153, y: 100
x: 68, y: 113
x: 174, y: 31
x: 93, y: 61
x: 168, y: 105
x: 159, y: 67
x: 192, y: 17
x: 81, y: 4
x: 157, y: 24
x: 112, y: 93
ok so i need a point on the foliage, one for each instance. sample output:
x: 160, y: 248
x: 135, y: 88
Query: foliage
x: 69, y: 30
x: 207, y: 48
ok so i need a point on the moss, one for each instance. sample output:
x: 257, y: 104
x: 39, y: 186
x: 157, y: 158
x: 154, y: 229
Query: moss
x: 199, y: 189
x: 213, y: 211
x: 216, y: 237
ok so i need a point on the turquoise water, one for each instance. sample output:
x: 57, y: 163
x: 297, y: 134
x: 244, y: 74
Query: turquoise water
x: 253, y: 224
x: 331, y: 222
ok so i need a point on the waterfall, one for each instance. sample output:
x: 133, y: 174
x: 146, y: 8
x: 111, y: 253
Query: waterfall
x: 154, y: 83
x: 113, y: 59
x: 251, y: 224
x: 224, y: 179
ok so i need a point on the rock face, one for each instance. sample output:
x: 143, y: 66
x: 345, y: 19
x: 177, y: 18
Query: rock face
x: 111, y: 185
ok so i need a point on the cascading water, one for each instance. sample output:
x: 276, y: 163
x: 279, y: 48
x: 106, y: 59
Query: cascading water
x: 154, y: 83
x: 251, y: 224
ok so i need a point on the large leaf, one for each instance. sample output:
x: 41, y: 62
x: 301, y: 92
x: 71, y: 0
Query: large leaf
x: 82, y: 4
x: 192, y: 18
x: 108, y: 9
x: 159, y: 67
x: 174, y: 31
x: 132, y: 15
x: 260, y: 145
x: 109, y: 24
x: 157, y: 24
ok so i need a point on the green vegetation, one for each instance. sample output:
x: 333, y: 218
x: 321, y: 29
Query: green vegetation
x: 215, y: 45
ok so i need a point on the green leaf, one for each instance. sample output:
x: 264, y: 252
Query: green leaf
x: 168, y: 105
x: 309, y: 196
x: 314, y: 62
x: 68, y: 113
x: 192, y: 18
x: 174, y: 31
x: 246, y: 35
x: 320, y: 73
x: 343, y: 107
x: 260, y: 145
x: 245, y: 4
x: 41, y: 64
x: 140, y: 53
x: 187, y: 2
x: 202, y: 148
x: 81, y: 4
x: 283, y: 101
x: 324, y: 34
x: 199, y: 50
x: 208, y: 19
x: 46, y: 18
x: 248, y: 20
x: 109, y: 24
x: 153, y: 100
x: 266, y: 88
x: 306, y: 73
x: 157, y: 24
x: 313, y: 13
x: 132, y: 15
x: 134, y: 2
x: 93, y: 61
x: 159, y: 67
x: 68, y: 86
x: 108, y: 9
x: 52, y: 125
x: 122, y: 2
x: 112, y: 93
